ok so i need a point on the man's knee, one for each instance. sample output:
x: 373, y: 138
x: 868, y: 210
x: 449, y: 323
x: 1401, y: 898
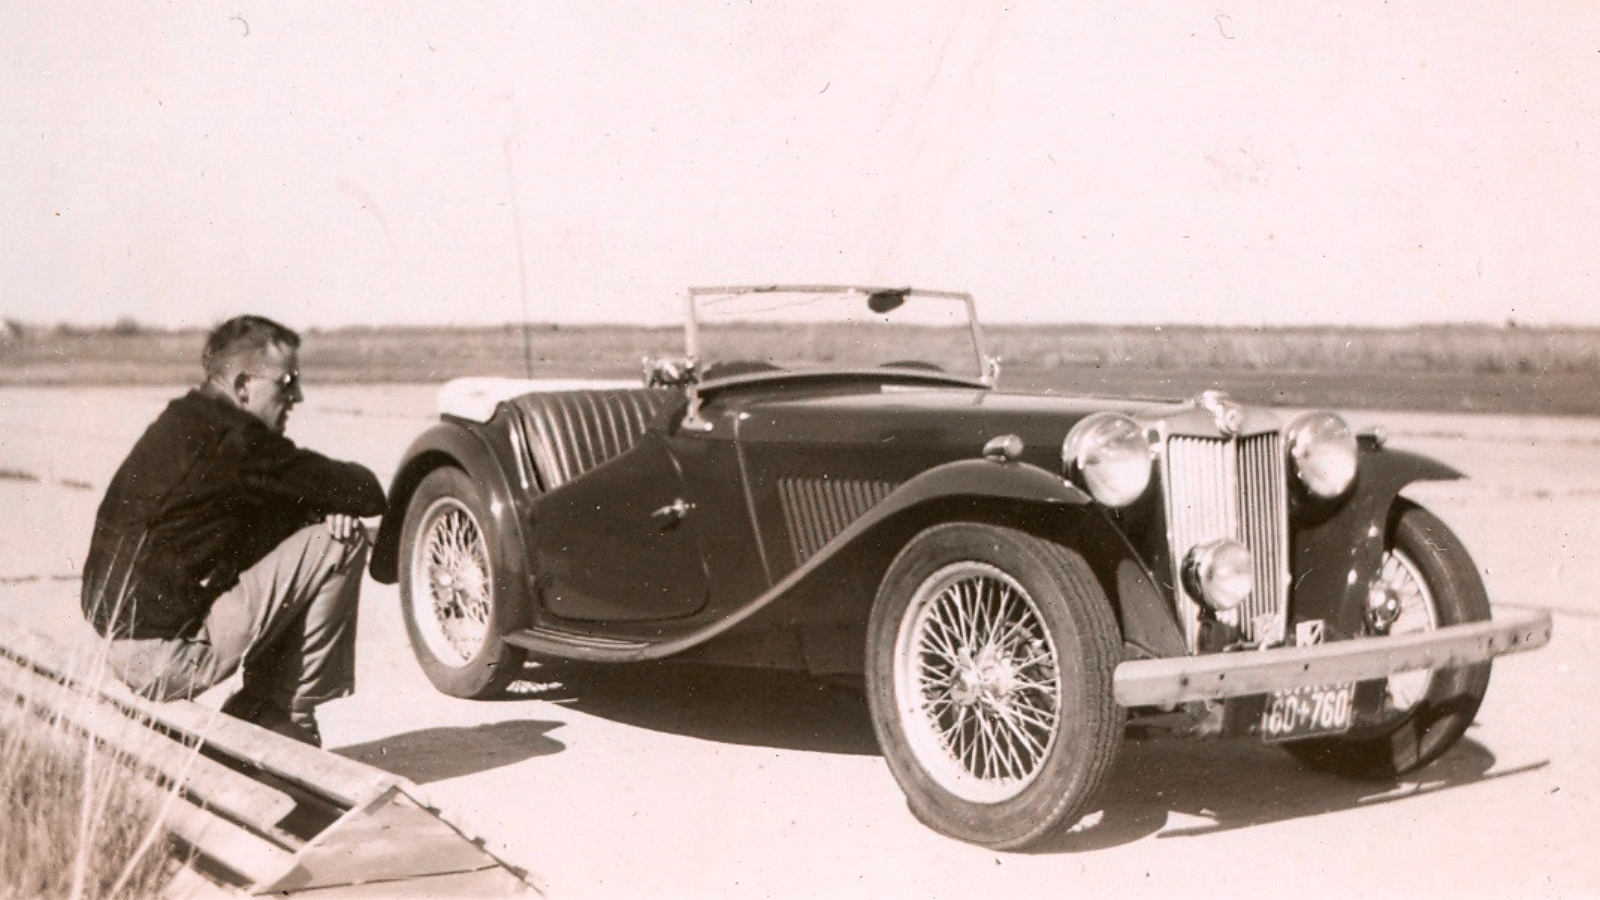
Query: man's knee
x: 162, y: 669
x: 319, y: 541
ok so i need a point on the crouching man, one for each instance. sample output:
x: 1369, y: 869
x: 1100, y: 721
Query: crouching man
x: 220, y: 544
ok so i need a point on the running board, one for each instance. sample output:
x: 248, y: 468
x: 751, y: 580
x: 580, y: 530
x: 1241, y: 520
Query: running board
x: 571, y: 645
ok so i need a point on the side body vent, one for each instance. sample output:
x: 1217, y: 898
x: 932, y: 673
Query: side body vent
x: 816, y: 509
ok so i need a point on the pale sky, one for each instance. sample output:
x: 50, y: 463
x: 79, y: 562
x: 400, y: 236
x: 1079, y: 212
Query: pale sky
x: 432, y: 162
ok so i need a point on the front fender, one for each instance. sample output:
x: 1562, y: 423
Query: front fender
x: 1337, y: 556
x: 451, y: 444
x: 978, y: 477
x: 987, y: 490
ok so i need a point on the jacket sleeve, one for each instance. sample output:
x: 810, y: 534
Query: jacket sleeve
x: 273, y: 466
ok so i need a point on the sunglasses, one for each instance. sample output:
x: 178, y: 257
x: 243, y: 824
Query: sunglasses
x: 288, y: 381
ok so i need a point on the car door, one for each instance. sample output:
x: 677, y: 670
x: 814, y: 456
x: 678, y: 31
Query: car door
x: 619, y: 543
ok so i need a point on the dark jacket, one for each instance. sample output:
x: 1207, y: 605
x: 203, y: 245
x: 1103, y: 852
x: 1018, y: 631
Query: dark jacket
x: 204, y: 494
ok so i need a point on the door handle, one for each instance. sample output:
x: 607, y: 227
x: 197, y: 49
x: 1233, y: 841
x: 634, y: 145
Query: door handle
x: 673, y: 512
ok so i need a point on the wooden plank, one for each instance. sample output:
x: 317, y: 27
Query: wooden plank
x: 483, y: 884
x: 387, y: 839
x: 253, y: 859
x: 188, y: 884
x: 209, y: 782
x: 345, y: 782
x: 393, y: 839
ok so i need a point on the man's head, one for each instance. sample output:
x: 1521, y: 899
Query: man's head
x: 254, y: 362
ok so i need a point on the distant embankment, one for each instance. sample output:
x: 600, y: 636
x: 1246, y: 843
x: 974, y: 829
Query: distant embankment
x: 1446, y: 368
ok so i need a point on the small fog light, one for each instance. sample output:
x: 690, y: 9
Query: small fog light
x: 1219, y: 573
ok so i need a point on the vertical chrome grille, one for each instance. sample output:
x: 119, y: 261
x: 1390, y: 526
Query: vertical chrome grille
x: 1217, y: 488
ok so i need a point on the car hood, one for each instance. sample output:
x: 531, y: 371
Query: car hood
x: 958, y: 420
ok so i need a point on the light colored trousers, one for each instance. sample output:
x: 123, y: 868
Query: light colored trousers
x: 290, y: 622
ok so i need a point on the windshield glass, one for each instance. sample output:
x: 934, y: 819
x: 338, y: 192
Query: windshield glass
x: 834, y: 328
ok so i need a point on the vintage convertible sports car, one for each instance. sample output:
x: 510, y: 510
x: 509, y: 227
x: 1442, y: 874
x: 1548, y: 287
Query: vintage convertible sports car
x: 829, y: 479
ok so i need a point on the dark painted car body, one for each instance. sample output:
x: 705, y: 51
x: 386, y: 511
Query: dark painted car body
x: 800, y: 491
x: 1014, y: 575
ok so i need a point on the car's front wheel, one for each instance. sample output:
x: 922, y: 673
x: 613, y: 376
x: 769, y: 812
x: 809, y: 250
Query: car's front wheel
x: 455, y: 610
x: 1428, y: 572
x: 990, y: 656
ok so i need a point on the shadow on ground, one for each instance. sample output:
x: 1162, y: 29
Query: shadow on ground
x: 753, y: 707
x: 1176, y: 788
x: 1164, y: 786
x: 438, y: 754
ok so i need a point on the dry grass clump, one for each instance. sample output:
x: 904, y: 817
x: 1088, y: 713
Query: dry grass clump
x: 77, y: 821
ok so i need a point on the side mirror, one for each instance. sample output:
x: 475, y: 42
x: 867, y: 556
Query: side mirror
x: 881, y: 302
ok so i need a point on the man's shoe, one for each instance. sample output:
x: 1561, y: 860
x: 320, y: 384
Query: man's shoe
x: 274, y: 717
x: 244, y: 704
x: 303, y: 728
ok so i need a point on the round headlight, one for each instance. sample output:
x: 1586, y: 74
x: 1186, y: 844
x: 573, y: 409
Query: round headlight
x: 1110, y: 456
x: 1324, y: 452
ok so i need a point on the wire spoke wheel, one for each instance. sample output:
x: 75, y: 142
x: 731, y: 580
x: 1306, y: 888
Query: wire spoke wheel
x: 456, y: 604
x: 1401, y: 579
x: 456, y: 566
x: 1428, y: 573
x: 990, y: 655
x: 977, y: 677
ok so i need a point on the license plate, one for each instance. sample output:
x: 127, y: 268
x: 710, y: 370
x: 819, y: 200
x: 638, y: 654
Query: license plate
x: 1308, y: 712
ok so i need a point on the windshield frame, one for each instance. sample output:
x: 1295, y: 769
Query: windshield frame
x: 986, y: 365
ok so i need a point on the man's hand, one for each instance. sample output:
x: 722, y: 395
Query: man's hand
x: 346, y: 529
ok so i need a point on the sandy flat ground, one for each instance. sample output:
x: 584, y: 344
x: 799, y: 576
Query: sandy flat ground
x: 671, y: 781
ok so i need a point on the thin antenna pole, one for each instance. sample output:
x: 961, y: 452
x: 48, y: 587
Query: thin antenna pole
x: 522, y: 258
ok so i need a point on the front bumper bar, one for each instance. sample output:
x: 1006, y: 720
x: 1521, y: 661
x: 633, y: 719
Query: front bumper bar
x: 1163, y: 682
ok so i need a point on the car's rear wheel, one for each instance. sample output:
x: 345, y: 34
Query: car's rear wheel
x: 1430, y: 574
x: 455, y: 610
x: 989, y: 662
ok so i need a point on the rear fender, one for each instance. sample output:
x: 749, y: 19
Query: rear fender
x: 1340, y: 552
x: 450, y: 444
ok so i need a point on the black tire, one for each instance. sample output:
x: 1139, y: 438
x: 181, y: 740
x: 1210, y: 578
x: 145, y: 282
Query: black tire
x: 1042, y: 692
x: 455, y: 608
x: 1425, y: 713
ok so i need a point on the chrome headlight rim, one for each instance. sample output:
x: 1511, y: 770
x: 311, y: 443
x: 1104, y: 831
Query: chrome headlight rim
x: 1108, y: 454
x: 1324, y: 452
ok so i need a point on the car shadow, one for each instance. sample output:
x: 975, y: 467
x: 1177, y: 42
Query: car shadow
x: 1175, y: 788
x: 754, y: 707
x: 437, y: 754
x: 1164, y: 786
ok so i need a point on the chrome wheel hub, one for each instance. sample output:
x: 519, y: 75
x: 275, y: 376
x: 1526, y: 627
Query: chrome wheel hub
x: 989, y: 679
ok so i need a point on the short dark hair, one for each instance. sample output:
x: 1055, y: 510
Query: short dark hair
x: 241, y: 336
